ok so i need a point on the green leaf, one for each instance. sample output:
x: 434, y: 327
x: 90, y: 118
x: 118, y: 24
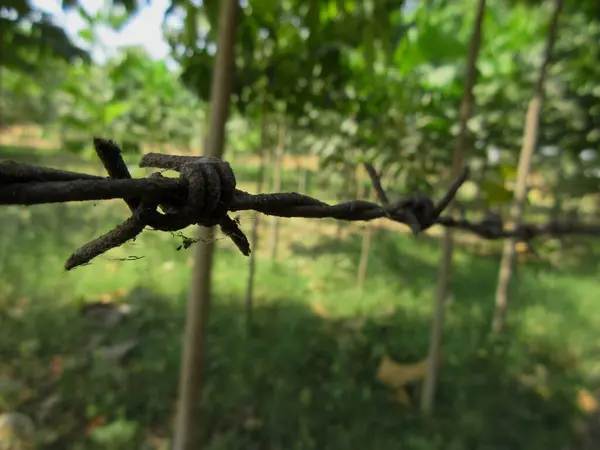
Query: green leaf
x: 437, y: 46
x: 115, y: 110
x: 508, y: 172
x: 86, y: 34
x: 495, y: 193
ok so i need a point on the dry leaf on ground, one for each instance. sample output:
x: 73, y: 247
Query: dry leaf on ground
x: 396, y: 376
x: 587, y: 401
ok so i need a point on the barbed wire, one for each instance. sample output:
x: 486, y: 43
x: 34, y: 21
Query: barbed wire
x: 205, y: 193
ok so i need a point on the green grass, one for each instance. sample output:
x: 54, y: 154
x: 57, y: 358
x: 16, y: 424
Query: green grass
x: 306, y: 380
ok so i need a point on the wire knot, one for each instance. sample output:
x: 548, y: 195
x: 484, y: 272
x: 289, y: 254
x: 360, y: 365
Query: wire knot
x: 210, y: 190
x: 210, y: 185
x: 417, y: 211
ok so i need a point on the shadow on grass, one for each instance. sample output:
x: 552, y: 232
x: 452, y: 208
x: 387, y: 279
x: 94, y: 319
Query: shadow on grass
x: 414, y: 263
x: 299, y: 381
x: 391, y: 255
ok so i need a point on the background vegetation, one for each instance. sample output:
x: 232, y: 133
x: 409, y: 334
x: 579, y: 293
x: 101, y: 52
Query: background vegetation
x: 340, y: 313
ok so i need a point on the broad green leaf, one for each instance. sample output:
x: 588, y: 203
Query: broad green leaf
x: 438, y: 46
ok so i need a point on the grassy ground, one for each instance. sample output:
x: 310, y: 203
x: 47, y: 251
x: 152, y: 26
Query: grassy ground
x: 305, y: 377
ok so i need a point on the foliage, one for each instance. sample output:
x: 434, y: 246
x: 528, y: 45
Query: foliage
x: 133, y: 99
x: 283, y: 47
x: 32, y: 36
x: 30, y: 98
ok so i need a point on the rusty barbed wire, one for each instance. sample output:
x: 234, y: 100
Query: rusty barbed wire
x: 205, y: 193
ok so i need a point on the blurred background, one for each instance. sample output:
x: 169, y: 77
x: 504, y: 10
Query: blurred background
x: 340, y: 312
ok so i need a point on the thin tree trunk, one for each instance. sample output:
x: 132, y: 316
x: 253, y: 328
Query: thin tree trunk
x: 365, y: 250
x: 256, y: 224
x: 277, y: 187
x: 436, y: 330
x: 530, y: 134
x: 187, y: 425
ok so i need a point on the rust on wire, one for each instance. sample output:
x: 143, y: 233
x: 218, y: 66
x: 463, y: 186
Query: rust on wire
x: 205, y: 193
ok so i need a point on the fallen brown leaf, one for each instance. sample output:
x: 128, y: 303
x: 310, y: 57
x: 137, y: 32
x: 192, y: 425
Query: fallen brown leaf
x: 396, y: 376
x: 587, y: 401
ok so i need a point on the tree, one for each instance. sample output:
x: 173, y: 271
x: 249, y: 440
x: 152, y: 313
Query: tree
x: 530, y: 136
x: 435, y: 339
x: 197, y: 317
x: 131, y: 98
x: 32, y: 36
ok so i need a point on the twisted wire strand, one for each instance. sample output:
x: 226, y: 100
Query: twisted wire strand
x: 205, y: 193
